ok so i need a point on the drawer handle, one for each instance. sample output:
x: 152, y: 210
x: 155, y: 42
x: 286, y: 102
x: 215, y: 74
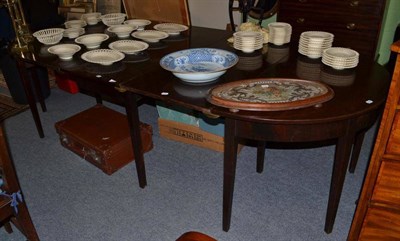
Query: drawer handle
x: 351, y: 26
x: 301, y: 20
x: 354, y: 3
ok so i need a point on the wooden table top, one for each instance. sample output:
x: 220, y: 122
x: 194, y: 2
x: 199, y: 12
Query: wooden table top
x: 356, y: 91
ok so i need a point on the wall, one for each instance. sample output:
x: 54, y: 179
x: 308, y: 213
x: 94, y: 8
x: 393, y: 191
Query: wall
x: 389, y: 25
x: 210, y: 13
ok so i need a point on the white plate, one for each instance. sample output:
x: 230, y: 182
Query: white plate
x: 151, y: 36
x: 128, y: 46
x: 102, y: 56
x: 171, y: 28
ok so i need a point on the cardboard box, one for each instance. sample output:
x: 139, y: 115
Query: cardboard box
x: 190, y: 134
x: 177, y: 114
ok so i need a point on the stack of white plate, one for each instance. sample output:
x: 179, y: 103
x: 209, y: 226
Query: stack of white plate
x: 340, y: 58
x: 313, y: 43
x: 248, y: 41
x: 279, y: 33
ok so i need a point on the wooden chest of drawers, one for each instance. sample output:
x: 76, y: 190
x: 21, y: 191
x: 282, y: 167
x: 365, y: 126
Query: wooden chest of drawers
x: 355, y: 23
x: 378, y: 212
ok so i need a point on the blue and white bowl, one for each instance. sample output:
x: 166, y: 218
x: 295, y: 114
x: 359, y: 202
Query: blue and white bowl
x: 199, y: 65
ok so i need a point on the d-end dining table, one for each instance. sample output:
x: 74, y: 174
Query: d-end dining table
x: 359, y: 94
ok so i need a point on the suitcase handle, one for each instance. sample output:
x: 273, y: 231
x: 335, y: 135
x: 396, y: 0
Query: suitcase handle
x: 80, y: 149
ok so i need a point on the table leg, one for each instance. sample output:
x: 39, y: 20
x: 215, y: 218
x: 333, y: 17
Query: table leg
x: 134, y: 127
x: 356, y: 150
x: 261, y: 145
x: 29, y: 95
x: 230, y: 156
x: 37, y: 87
x: 342, y: 155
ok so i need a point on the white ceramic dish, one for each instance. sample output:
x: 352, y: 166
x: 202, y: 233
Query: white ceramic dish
x: 73, y: 32
x: 49, y: 36
x: 171, y: 28
x: 122, y: 30
x: 92, y: 41
x: 113, y: 18
x: 128, y: 46
x: 199, y: 65
x: 151, y: 36
x: 103, y: 56
x: 64, y: 51
x: 140, y: 23
x: 77, y: 23
x: 91, y: 18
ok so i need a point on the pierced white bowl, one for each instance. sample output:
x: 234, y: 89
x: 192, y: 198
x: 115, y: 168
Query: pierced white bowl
x: 49, y: 36
x: 103, y: 56
x: 64, y: 51
x: 171, y: 28
x: 92, y: 41
x: 113, y: 18
x: 91, y: 18
x: 128, y: 46
x: 140, y: 23
x: 122, y: 30
x: 150, y: 36
x: 73, y: 32
x: 76, y: 23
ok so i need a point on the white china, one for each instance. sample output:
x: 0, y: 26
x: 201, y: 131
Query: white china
x: 248, y: 41
x: 279, y: 33
x: 340, y: 58
x: 64, y: 51
x: 140, y: 23
x: 113, y: 18
x: 77, y: 23
x: 103, y: 56
x: 49, y: 36
x: 151, y: 36
x: 73, y: 32
x: 128, y: 46
x: 171, y: 28
x: 199, y: 65
x: 91, y: 18
x: 121, y: 30
x: 92, y: 41
x: 313, y: 43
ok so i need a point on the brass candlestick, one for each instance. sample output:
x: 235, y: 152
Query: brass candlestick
x: 23, y: 35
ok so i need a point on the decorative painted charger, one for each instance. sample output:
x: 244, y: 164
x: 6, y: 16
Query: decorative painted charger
x: 270, y: 94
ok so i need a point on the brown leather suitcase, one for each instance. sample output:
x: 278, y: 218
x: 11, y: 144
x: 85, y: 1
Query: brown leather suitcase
x: 101, y: 136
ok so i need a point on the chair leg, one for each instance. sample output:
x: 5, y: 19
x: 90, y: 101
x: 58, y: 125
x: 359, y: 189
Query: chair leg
x: 25, y: 223
x: 8, y: 228
x: 260, y: 155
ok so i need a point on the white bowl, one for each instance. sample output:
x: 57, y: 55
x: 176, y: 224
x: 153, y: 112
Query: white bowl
x: 49, y: 36
x: 103, y: 56
x: 77, y: 23
x: 151, y: 36
x: 91, y: 18
x: 122, y: 30
x: 113, y: 18
x: 128, y: 46
x: 92, y: 41
x: 64, y: 51
x: 171, y: 28
x: 199, y: 65
x: 140, y: 23
x: 73, y: 32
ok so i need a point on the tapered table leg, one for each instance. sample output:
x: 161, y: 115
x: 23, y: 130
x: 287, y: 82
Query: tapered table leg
x: 134, y: 126
x: 230, y: 158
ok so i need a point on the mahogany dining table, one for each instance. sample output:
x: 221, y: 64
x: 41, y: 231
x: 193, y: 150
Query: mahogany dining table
x: 359, y: 94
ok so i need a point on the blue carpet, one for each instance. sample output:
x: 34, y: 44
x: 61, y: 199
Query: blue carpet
x: 69, y: 199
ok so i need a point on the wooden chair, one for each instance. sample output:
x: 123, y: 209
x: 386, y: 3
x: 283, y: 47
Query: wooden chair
x: 12, y: 206
x: 171, y: 11
x: 195, y: 236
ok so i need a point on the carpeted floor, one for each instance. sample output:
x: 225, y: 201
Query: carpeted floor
x: 71, y: 200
